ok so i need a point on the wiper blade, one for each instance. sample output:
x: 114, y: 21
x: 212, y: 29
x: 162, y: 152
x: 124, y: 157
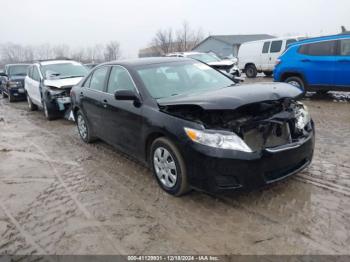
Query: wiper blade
x: 69, y: 77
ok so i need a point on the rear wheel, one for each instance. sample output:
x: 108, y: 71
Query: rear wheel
x: 251, y: 71
x: 31, y: 106
x: 84, y: 128
x: 322, y: 92
x: 295, y: 81
x: 169, y: 167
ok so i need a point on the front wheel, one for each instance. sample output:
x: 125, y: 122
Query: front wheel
x: 11, y: 98
x: 295, y: 81
x: 50, y: 114
x: 3, y: 95
x: 169, y: 167
x: 31, y: 106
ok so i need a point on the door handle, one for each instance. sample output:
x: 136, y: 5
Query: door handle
x: 305, y: 60
x: 344, y: 61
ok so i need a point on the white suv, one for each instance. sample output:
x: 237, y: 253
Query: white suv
x: 48, y: 84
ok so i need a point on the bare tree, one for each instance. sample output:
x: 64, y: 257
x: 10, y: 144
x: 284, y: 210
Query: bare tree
x: 61, y: 51
x: 112, y: 51
x: 42, y: 52
x: 15, y: 53
x: 163, y: 41
x: 79, y: 55
x: 186, y: 38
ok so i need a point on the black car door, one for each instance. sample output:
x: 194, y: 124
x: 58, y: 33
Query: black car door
x: 122, y: 119
x: 92, y: 96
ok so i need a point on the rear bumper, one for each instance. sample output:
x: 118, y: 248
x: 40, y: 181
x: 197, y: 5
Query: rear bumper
x: 216, y: 170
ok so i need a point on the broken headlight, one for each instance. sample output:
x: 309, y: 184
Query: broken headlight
x: 302, y: 116
x: 217, y: 139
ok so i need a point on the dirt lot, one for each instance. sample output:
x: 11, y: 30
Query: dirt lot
x: 61, y: 196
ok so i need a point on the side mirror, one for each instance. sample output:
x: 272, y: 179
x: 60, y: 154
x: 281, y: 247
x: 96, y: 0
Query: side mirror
x: 125, y: 95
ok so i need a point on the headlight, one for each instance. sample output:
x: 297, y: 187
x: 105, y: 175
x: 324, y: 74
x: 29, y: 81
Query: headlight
x: 217, y: 139
x: 14, y: 84
x: 302, y: 116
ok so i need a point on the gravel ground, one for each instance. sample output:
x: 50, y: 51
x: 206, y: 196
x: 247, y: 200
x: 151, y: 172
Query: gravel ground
x: 61, y: 196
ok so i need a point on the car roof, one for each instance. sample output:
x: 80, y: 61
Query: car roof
x: 185, y: 53
x: 147, y: 61
x: 19, y: 64
x: 276, y: 39
x: 51, y: 62
x: 320, y: 39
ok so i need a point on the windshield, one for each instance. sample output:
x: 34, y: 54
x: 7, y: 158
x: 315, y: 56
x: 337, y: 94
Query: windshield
x: 206, y: 58
x: 170, y: 79
x: 63, y: 70
x: 18, y: 70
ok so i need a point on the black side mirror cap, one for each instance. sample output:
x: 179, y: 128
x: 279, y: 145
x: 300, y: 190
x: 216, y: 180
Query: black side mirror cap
x: 125, y: 95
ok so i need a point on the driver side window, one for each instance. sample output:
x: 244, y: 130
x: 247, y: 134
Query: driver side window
x: 119, y: 80
x: 35, y: 74
x: 98, y: 78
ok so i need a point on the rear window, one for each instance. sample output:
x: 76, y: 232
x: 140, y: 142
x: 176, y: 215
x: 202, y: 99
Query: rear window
x: 345, y: 47
x: 290, y: 41
x: 325, y: 48
x: 276, y: 46
x: 266, y: 47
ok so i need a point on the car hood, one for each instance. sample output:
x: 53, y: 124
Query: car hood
x: 62, y: 83
x: 222, y: 63
x: 233, y: 97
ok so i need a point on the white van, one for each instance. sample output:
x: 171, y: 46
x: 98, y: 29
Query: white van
x: 260, y: 56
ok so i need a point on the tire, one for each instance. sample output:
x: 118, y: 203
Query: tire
x: 11, y: 98
x: 3, y: 95
x: 84, y: 129
x: 322, y: 92
x: 168, y: 167
x: 268, y: 73
x: 49, y: 113
x: 250, y: 71
x: 31, y: 106
x: 295, y: 81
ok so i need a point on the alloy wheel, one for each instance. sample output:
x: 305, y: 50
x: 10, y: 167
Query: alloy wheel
x: 82, y: 126
x: 165, y: 167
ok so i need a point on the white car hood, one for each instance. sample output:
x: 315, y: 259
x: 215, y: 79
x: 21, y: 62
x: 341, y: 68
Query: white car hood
x: 222, y: 63
x: 59, y: 83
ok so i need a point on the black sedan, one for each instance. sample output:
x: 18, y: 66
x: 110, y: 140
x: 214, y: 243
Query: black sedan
x: 193, y: 125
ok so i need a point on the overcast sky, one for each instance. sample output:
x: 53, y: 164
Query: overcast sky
x: 134, y: 22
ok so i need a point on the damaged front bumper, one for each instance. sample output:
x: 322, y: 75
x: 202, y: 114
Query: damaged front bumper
x: 218, y: 170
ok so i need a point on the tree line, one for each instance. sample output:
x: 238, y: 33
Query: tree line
x: 181, y: 40
x: 17, y: 53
